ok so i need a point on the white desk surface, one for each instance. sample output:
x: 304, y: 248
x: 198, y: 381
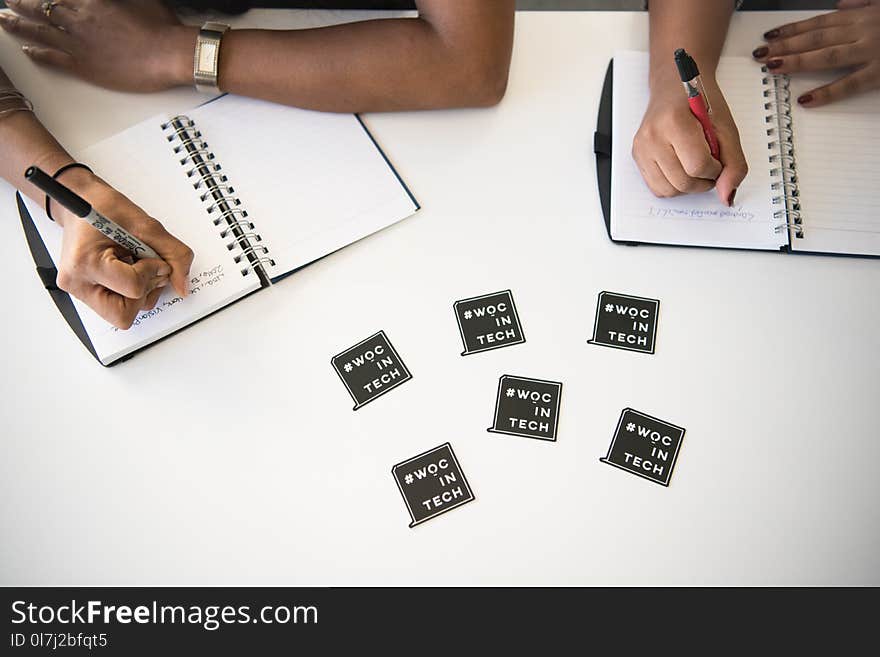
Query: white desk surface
x: 229, y: 454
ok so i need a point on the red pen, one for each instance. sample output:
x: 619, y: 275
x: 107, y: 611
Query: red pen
x: 699, y: 103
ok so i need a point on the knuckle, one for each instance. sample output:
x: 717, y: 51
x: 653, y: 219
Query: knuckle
x: 832, y: 56
x: 636, y: 149
x: 137, y: 289
x: 691, y: 168
x: 778, y: 47
x: 698, y: 167
x: 641, y: 140
x: 64, y: 280
x: 816, y: 38
x: 687, y: 185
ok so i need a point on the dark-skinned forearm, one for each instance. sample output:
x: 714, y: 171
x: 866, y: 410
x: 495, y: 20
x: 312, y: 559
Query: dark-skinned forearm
x: 377, y: 65
x: 698, y: 26
x: 23, y: 142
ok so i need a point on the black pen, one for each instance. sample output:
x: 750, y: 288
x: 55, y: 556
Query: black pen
x: 73, y: 202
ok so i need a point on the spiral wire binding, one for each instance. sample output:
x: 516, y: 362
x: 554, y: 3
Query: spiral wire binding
x: 219, y: 197
x: 784, y: 167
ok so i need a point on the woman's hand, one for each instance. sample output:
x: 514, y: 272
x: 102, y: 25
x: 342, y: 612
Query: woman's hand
x: 99, y: 272
x: 849, y: 38
x: 671, y: 151
x: 128, y: 46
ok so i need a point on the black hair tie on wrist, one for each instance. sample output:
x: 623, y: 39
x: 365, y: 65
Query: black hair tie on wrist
x: 66, y: 167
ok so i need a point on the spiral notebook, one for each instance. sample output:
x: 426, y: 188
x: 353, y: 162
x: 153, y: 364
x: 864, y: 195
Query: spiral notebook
x: 257, y: 190
x: 811, y: 171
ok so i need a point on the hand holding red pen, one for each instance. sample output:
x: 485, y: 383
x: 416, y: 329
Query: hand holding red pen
x: 670, y: 148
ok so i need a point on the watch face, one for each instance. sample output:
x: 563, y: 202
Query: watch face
x: 207, y: 57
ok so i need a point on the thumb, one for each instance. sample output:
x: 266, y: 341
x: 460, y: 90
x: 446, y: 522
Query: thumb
x: 179, y: 261
x: 176, y: 256
x: 151, y: 269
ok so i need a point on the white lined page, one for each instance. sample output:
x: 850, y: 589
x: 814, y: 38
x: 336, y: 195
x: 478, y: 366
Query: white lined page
x: 837, y: 155
x: 311, y: 182
x: 140, y: 163
x: 696, y: 219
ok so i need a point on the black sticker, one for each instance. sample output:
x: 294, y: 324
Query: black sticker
x: 527, y: 407
x: 645, y: 446
x: 626, y: 322
x: 432, y: 483
x: 370, y: 369
x: 488, y: 322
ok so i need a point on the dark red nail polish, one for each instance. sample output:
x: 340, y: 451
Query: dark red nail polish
x: 757, y: 53
x: 774, y: 63
x: 806, y: 98
x: 730, y: 198
x: 771, y: 34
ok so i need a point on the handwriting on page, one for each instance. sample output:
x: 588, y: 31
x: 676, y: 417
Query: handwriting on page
x: 198, y: 282
x: 700, y: 213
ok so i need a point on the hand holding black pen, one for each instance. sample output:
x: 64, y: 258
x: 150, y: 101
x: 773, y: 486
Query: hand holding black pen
x: 117, y: 260
x: 79, y: 207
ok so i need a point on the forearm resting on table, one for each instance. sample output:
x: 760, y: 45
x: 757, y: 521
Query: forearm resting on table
x: 25, y: 142
x: 376, y: 65
x: 698, y: 26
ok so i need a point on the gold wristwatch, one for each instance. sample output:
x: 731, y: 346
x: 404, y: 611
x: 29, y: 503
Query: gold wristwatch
x: 206, y: 62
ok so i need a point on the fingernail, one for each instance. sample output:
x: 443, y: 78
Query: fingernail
x: 774, y: 63
x: 162, y: 282
x: 757, y: 53
x: 730, y: 198
x: 771, y: 34
x: 26, y: 49
x: 806, y: 98
x: 164, y: 270
x: 4, y: 19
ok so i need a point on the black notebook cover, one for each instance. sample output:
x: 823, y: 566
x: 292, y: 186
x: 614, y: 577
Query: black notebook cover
x: 602, y: 147
x: 48, y: 273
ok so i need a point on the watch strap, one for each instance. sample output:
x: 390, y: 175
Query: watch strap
x: 206, y: 61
